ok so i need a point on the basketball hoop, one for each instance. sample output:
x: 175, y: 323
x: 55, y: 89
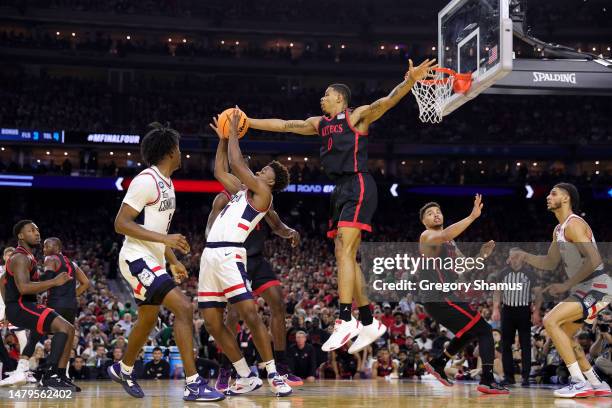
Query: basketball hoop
x: 433, y: 92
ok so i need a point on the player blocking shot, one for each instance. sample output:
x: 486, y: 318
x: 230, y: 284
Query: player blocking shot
x: 223, y: 274
x: 144, y: 218
x: 588, y: 285
x: 344, y: 157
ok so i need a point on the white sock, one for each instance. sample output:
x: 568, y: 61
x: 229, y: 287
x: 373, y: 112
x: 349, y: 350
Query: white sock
x: 22, y: 338
x: 270, y: 367
x: 575, y: 372
x: 23, y: 365
x: 242, y: 368
x: 192, y: 379
x: 125, y: 369
x: 591, y: 375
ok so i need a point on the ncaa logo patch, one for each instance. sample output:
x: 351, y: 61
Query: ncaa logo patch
x: 160, y: 184
x: 146, y: 277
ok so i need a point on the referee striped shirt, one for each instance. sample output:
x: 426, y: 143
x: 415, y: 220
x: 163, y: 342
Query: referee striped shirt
x: 511, y: 277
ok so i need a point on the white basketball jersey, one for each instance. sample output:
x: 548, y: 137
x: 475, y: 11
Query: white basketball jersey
x: 237, y: 219
x: 152, y: 195
x: 571, y: 256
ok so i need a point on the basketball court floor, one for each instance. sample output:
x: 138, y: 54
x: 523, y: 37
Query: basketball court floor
x: 320, y: 394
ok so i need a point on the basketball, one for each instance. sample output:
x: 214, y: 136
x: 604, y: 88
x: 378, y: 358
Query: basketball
x: 224, y: 123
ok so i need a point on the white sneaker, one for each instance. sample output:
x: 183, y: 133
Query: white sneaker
x: 242, y: 385
x: 30, y: 377
x: 17, y: 378
x: 343, y: 332
x: 602, y: 390
x: 580, y: 389
x: 367, y: 336
x: 279, y: 387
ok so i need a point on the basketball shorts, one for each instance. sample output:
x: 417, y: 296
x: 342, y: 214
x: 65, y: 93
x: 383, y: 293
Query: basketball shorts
x: 457, y: 317
x: 260, y: 274
x: 353, y: 203
x: 594, y: 295
x: 31, y: 315
x: 223, y: 276
x: 149, y: 280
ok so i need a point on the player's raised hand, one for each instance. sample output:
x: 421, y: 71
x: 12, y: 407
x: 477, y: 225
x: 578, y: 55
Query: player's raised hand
x: 477, y: 210
x: 215, y: 126
x: 487, y: 249
x: 62, y: 278
x: 177, y: 241
x: 419, y: 72
x: 235, y: 121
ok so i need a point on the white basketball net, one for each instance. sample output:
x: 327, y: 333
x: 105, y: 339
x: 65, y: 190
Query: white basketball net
x: 432, y: 94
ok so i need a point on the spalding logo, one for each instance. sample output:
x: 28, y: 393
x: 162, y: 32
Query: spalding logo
x: 569, y: 78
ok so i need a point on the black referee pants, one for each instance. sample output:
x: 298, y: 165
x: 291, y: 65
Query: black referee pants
x: 515, y: 318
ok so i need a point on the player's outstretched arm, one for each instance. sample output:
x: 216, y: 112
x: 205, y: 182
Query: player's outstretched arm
x: 546, y: 262
x: 239, y: 166
x: 281, y: 229
x: 301, y: 127
x: 371, y: 113
x: 222, y: 169
x: 453, y: 231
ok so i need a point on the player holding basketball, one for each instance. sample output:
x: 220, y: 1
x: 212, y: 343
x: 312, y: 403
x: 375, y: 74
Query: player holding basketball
x: 144, y: 218
x: 23, y: 310
x: 344, y: 158
x: 223, y: 275
x: 589, y: 287
x: 448, y: 310
x: 264, y: 283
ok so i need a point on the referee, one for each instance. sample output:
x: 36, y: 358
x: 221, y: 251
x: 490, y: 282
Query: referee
x: 517, y: 315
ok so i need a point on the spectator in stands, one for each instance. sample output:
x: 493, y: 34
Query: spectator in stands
x: 98, y: 362
x: 126, y: 324
x: 158, y: 368
x: 302, y: 358
x: 78, y: 370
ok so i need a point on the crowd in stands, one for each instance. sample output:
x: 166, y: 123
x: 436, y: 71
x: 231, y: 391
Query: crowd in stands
x: 189, y: 102
x: 308, y: 276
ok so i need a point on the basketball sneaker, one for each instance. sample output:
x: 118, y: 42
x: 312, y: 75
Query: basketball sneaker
x: 16, y: 377
x: 575, y: 389
x: 30, y: 377
x: 127, y: 381
x: 223, y: 379
x: 279, y: 387
x: 492, y: 388
x: 53, y: 381
x: 367, y: 336
x: 343, y: 332
x: 291, y: 379
x: 602, y: 390
x: 436, y: 368
x: 201, y: 391
x: 67, y: 380
x: 242, y: 385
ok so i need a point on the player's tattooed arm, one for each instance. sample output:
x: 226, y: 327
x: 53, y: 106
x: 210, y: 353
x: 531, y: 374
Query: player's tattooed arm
x: 371, y: 113
x: 300, y: 127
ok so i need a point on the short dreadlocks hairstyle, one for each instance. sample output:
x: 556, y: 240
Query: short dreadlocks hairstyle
x: 281, y: 176
x: 19, y: 226
x: 158, y: 143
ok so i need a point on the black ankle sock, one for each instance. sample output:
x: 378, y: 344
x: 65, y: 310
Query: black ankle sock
x: 57, y: 348
x: 345, y: 311
x: 365, y: 315
x: 280, y: 356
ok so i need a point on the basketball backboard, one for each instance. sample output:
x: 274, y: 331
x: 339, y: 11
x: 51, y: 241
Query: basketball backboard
x: 475, y: 36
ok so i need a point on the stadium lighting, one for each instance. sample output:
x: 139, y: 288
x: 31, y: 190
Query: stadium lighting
x: 47, y: 152
x: 597, y: 172
x: 305, y: 158
x: 289, y: 158
x: 596, y: 161
x: 222, y: 42
x: 2, y: 148
x: 184, y: 40
x: 328, y: 45
x: 421, y: 161
x: 237, y: 42
x: 518, y: 164
x: 403, y: 162
x: 397, y: 47
x: 382, y: 47
x: 433, y: 48
x: 127, y: 37
x: 291, y: 45
x: 58, y: 33
x: 74, y: 34
x: 138, y: 164
x: 535, y: 164
x: 129, y: 154
x: 112, y: 153
x: 188, y: 156
x: 65, y: 153
x: 38, y: 161
x: 343, y: 46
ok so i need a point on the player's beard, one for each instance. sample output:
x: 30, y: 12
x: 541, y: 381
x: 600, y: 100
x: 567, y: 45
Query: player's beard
x: 554, y: 206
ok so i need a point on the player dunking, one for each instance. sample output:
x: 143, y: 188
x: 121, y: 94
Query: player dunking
x: 588, y: 284
x: 223, y: 275
x: 344, y: 158
x: 448, y: 310
x: 23, y: 310
x: 264, y: 283
x: 144, y: 218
